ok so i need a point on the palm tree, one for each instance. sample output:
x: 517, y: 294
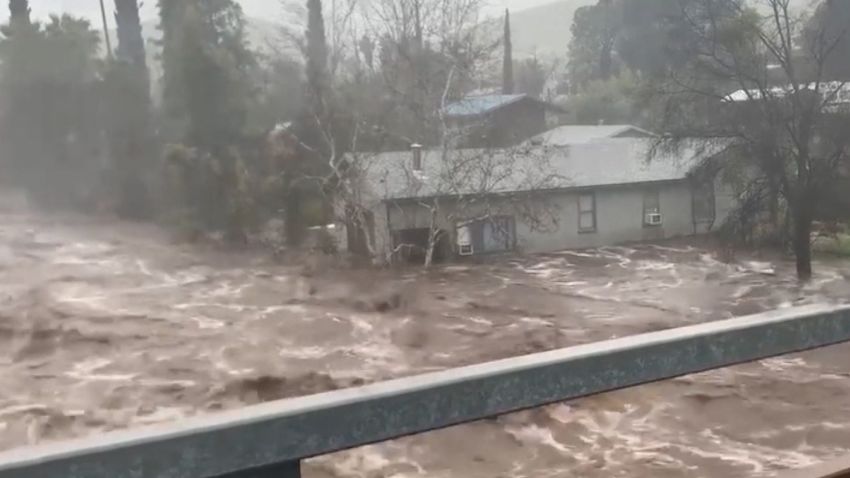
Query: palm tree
x: 131, y: 44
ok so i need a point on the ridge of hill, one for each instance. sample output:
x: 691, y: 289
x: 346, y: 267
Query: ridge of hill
x: 545, y: 30
x: 542, y: 30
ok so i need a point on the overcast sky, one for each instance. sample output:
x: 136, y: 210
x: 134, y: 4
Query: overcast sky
x: 266, y: 9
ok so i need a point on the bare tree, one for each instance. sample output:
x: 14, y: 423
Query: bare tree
x: 748, y: 94
x: 429, y: 52
x: 484, y: 186
x: 422, y: 45
x: 441, y: 188
x: 445, y: 189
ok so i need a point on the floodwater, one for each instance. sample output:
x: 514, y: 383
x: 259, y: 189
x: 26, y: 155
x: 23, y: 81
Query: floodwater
x: 107, y: 325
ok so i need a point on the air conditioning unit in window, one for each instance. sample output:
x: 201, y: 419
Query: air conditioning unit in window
x: 654, y: 219
x: 464, y: 241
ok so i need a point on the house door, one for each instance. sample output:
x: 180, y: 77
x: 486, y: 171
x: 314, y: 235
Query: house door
x: 497, y: 234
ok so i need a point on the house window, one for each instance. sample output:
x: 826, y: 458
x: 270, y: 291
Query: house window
x: 651, y: 208
x: 587, y: 212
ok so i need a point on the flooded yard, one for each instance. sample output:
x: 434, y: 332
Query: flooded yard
x: 109, y: 325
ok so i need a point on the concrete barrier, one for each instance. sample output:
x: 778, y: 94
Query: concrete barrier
x: 271, y: 439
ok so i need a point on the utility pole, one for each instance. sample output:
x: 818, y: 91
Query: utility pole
x: 508, y: 62
x: 106, y: 31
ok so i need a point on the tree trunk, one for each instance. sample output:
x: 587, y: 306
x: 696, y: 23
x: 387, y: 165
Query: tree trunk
x: 433, y: 242
x: 803, y: 244
x: 433, y: 237
x: 606, y: 62
x: 773, y: 209
x: 429, y: 254
x: 294, y: 226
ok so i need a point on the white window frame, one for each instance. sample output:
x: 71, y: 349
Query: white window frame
x: 583, y: 212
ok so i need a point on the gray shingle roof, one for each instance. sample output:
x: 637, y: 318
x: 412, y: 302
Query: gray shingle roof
x: 480, y: 105
x: 576, y: 134
x: 606, y: 162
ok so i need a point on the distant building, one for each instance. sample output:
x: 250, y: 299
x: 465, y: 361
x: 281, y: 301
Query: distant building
x: 499, y: 120
x: 601, y: 190
x: 836, y: 94
x: 579, y: 134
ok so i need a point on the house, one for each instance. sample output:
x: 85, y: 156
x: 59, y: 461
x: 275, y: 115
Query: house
x: 835, y: 94
x: 578, y: 134
x: 837, y: 91
x: 499, y: 120
x: 594, y: 190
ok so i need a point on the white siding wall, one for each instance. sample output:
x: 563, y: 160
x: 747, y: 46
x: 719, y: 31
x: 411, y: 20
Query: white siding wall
x: 725, y: 202
x: 619, y: 219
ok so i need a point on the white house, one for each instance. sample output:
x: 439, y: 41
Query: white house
x: 572, y: 187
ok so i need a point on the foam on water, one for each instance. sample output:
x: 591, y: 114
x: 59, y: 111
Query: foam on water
x: 140, y: 335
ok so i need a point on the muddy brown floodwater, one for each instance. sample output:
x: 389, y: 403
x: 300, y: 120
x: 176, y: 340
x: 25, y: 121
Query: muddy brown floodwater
x: 107, y: 325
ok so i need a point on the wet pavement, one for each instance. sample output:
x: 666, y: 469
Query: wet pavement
x: 106, y: 325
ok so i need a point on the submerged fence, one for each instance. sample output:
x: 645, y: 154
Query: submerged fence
x: 270, y: 440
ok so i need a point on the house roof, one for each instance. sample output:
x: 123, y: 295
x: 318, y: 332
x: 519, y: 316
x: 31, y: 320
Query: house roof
x: 841, y: 89
x: 607, y: 162
x: 480, y: 105
x: 578, y: 134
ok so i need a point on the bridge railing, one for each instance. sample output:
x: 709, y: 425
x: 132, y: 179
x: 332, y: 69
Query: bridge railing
x: 838, y: 468
x: 270, y: 440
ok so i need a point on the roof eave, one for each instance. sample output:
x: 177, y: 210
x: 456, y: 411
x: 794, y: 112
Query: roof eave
x: 551, y: 190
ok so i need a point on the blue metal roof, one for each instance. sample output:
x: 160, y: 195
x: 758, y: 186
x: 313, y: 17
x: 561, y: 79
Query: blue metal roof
x: 479, y: 105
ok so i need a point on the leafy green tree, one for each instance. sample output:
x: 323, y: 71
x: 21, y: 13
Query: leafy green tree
x: 19, y: 11
x: 128, y: 116
x: 207, y: 74
x: 648, y: 37
x: 51, y: 125
x: 171, y: 19
x: 612, y: 101
x: 280, y: 93
x: 782, y: 129
x: 592, y: 55
x: 650, y: 40
x: 206, y: 64
x: 302, y: 176
x: 531, y: 76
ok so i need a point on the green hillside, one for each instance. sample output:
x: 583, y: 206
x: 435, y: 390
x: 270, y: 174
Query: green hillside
x: 545, y: 30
